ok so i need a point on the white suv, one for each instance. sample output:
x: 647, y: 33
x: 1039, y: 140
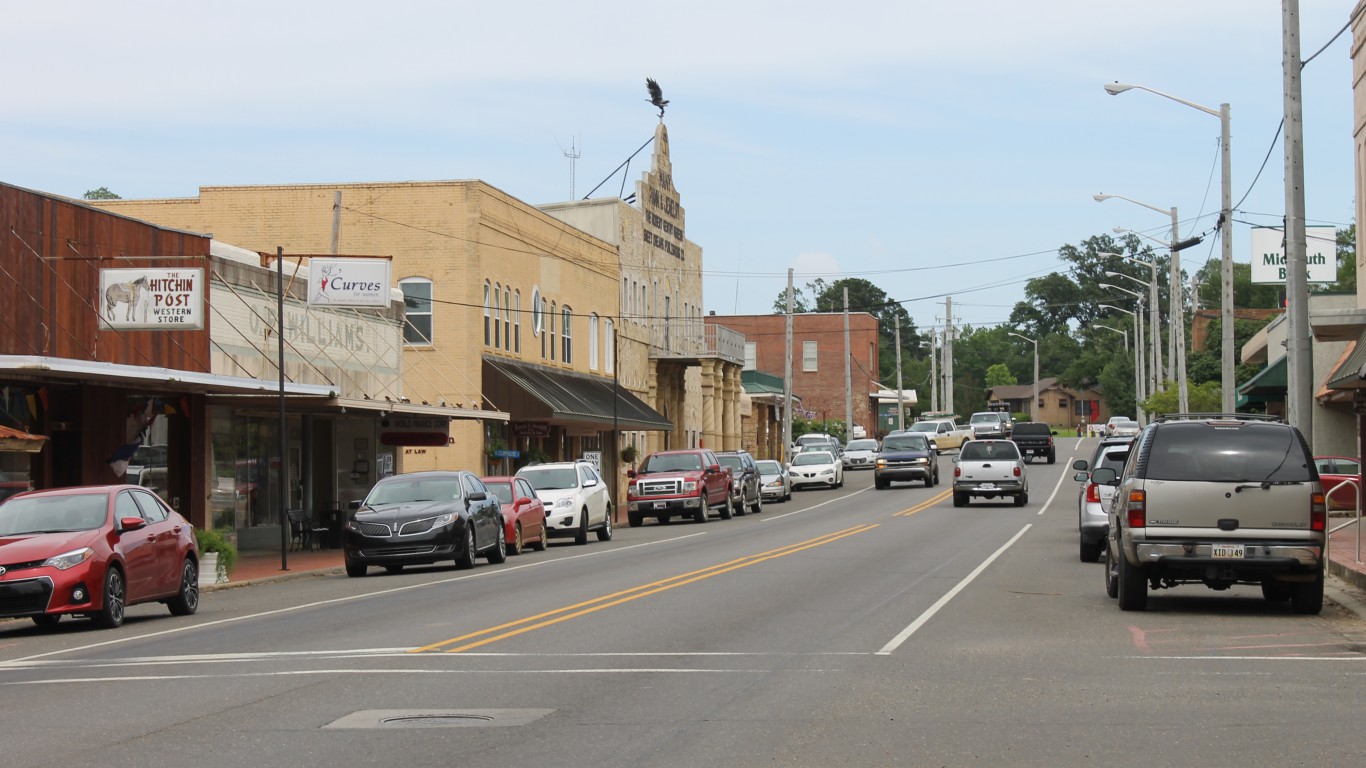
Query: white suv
x: 1219, y: 500
x: 576, y: 499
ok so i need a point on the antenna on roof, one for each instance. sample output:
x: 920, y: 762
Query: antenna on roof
x: 573, y: 154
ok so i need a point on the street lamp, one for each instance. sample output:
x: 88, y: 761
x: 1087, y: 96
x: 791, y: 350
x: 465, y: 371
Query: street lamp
x: 1033, y: 404
x: 1226, y: 220
x: 1155, y: 332
x: 1139, y: 395
x: 1153, y: 383
x: 1138, y: 378
x: 1176, y: 311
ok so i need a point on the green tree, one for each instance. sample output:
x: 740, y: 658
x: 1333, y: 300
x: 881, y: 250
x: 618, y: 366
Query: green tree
x: 1246, y: 294
x: 1205, y: 397
x: 102, y: 193
x: 1347, y: 264
x: 999, y: 375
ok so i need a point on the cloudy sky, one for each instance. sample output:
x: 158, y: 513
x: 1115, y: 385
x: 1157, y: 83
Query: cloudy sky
x: 934, y: 148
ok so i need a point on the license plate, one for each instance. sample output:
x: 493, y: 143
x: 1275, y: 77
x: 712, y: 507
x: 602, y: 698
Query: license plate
x: 987, y: 487
x: 660, y: 505
x: 1223, y: 551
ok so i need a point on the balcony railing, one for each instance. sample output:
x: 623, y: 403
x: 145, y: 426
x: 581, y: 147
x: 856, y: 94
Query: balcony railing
x: 695, y: 339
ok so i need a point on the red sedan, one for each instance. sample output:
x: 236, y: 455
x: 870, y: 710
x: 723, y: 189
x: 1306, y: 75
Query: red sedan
x: 92, y: 551
x: 1337, y: 469
x: 523, y: 513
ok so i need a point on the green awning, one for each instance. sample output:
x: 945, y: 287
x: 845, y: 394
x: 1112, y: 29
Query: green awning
x: 760, y: 383
x: 538, y: 393
x: 1271, y: 380
x: 1348, y: 375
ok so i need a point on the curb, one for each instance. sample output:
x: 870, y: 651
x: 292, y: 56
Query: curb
x: 291, y: 576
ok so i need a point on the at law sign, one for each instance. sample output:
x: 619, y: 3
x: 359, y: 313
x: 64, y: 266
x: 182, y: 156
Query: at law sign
x: 348, y: 282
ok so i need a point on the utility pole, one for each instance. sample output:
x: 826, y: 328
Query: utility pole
x: 1177, y: 321
x: 900, y: 411
x: 848, y: 381
x: 934, y: 368
x: 787, y: 375
x: 1299, y: 357
x: 948, y: 354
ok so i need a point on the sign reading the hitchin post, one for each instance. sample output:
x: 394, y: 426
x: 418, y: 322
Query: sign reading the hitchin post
x: 152, y: 299
x: 348, y: 282
x: 1320, y: 255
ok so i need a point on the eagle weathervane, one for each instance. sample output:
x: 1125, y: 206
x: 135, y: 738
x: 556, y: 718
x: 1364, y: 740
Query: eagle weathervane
x: 656, y: 96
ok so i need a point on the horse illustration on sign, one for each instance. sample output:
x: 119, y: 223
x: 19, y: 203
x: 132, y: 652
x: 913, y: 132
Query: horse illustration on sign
x: 128, y: 294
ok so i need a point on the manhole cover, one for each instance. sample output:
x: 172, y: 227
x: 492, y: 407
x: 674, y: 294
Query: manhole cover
x: 438, y: 718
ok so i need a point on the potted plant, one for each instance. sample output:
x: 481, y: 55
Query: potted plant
x: 629, y: 455
x: 217, y: 554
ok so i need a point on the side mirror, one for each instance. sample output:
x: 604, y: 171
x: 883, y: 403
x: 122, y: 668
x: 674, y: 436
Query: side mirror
x: 131, y: 523
x: 1104, y: 476
x: 631, y: 473
x: 589, y: 483
x: 1080, y: 477
x: 355, y: 504
x: 1079, y: 464
x: 477, y: 496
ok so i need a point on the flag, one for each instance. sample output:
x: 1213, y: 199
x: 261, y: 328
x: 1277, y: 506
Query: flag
x: 119, y: 461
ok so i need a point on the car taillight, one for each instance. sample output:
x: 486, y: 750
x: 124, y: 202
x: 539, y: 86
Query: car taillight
x: 1138, y: 509
x: 1050, y: 442
x: 1017, y: 470
x: 1318, y: 513
x: 1092, y: 493
x: 957, y: 471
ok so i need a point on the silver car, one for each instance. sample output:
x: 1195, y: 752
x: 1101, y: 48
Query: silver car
x: 990, y: 468
x: 775, y: 482
x: 860, y: 454
x: 1094, y: 499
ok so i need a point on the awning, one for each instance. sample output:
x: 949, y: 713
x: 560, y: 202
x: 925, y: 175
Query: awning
x: 36, y: 367
x: 1348, y: 373
x: 535, y: 393
x: 1270, y: 381
x: 334, y: 405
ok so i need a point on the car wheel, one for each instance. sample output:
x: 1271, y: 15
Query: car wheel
x: 110, y: 615
x: 1022, y: 499
x: 1089, y: 551
x: 186, y: 601
x: 726, y: 511
x: 739, y: 506
x: 605, y: 532
x: 936, y: 476
x: 393, y: 569
x: 47, y: 620
x: 581, y: 536
x: 960, y: 499
x: 1111, y: 573
x: 1133, y: 586
x: 1308, y: 597
x: 498, y: 553
x: 517, y: 544
x: 758, y: 504
x: 355, y: 570
x: 699, y: 515
x: 542, y: 543
x: 635, y: 519
x: 1276, y: 591
x: 880, y: 485
x: 464, y: 559
x: 1052, y: 457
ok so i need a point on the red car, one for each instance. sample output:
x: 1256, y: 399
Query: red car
x: 92, y: 551
x: 1334, y: 470
x: 523, y: 513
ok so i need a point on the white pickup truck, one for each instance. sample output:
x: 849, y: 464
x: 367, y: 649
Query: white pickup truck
x: 944, y: 434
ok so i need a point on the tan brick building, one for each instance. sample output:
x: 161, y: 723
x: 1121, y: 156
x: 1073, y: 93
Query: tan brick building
x: 817, y: 358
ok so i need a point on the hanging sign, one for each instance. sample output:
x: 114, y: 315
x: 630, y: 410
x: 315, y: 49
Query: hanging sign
x: 396, y: 429
x: 1320, y: 255
x: 152, y: 299
x: 348, y: 282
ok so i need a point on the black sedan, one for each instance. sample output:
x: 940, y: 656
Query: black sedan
x: 422, y: 518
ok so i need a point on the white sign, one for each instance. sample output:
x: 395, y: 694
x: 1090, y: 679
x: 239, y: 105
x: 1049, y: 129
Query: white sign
x: 1268, y: 255
x: 152, y: 299
x: 348, y: 282
x: 595, y: 458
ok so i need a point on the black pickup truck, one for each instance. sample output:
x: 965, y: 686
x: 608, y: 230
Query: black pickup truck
x: 1034, y: 438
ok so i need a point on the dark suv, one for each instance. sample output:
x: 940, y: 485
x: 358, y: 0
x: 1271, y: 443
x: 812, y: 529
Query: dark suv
x: 1219, y: 500
x: 746, y: 488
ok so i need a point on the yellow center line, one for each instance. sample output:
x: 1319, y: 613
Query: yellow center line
x: 926, y: 504
x: 548, y: 618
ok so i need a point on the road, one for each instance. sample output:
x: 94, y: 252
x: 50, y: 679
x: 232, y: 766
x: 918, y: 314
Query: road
x: 846, y: 627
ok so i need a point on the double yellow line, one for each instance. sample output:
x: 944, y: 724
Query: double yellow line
x: 521, y: 626
x: 926, y: 504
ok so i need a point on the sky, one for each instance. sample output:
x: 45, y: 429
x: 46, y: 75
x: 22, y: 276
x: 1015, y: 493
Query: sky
x: 932, y: 148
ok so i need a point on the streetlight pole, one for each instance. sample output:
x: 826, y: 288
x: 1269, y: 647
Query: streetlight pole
x: 1033, y: 404
x: 1226, y: 234
x: 1152, y: 377
x: 1139, y: 397
x: 1138, y: 408
x: 1155, y: 321
x: 1176, y: 310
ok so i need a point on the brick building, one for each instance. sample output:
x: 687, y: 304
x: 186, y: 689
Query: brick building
x: 817, y: 358
x: 1061, y: 406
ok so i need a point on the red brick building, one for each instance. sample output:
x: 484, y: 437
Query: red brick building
x: 817, y: 358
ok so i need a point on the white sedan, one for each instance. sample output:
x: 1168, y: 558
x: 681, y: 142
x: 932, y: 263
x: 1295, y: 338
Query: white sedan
x: 816, y: 468
x: 860, y: 454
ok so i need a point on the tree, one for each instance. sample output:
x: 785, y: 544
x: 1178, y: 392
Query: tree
x: 999, y: 375
x: 102, y: 193
x: 1246, y: 294
x: 1205, y: 397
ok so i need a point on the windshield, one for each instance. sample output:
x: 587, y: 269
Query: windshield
x: 408, y: 491
x: 861, y: 445
x: 502, y: 490
x: 730, y: 461
x: 812, y: 439
x: 925, y: 426
x: 914, y: 442
x: 983, y: 418
x: 551, y: 478
x: 812, y: 457
x: 672, y: 462
x: 770, y: 468
x: 982, y: 450
x: 53, y: 514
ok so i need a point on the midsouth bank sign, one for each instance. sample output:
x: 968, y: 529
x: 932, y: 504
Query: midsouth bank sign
x: 1268, y: 255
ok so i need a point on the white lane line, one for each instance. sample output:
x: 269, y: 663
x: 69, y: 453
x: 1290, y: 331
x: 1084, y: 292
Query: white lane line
x: 347, y: 599
x: 1056, y: 488
x: 817, y: 506
x: 943, y: 601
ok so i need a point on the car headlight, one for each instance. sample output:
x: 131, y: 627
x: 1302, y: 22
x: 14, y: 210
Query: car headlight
x: 564, y: 502
x: 444, y: 520
x: 631, y: 489
x: 828, y: 471
x: 690, y: 486
x: 881, y: 463
x: 735, y: 484
x: 70, y: 559
x: 921, y: 460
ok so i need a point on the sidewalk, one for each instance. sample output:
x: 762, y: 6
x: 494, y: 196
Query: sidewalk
x: 1342, y: 552
x: 261, y: 566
